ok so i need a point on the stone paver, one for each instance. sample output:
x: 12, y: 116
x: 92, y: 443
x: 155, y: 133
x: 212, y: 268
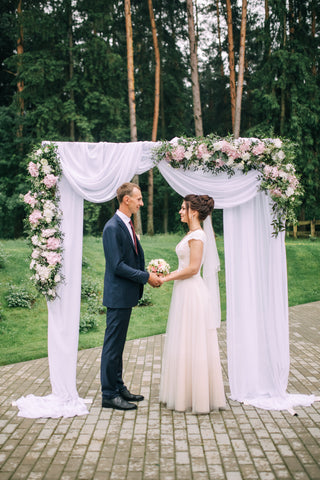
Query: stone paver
x: 152, y: 443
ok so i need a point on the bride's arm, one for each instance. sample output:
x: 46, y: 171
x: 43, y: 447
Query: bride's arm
x: 196, y: 250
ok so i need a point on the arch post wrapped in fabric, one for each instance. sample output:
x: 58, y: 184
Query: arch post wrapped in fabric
x: 256, y: 275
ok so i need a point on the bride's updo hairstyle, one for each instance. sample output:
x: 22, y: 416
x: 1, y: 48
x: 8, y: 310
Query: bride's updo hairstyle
x: 203, y: 204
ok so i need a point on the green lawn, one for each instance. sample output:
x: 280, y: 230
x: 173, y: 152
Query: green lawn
x: 23, y: 332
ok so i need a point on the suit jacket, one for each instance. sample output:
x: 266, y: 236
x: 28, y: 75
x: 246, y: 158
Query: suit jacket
x: 125, y: 273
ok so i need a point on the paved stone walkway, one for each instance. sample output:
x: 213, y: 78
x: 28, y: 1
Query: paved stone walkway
x: 153, y: 443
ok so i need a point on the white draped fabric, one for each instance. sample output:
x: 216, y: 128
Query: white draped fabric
x: 256, y: 281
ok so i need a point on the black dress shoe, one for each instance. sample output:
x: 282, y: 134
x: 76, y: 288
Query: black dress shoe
x: 118, y: 403
x: 130, y: 396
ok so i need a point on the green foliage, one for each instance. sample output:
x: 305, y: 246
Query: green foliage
x: 146, y: 299
x: 87, y: 322
x: 20, y: 297
x: 89, y: 288
x: 3, y: 256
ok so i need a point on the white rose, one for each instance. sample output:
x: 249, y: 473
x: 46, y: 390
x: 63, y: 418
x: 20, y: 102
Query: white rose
x: 289, y: 191
x: 246, y: 156
x: 188, y: 153
x: 57, y: 278
x: 49, y: 205
x: 290, y: 167
x: 48, y: 214
x: 38, y: 152
x: 277, y: 142
x: 281, y: 155
x: 46, y: 169
x: 35, y: 240
x: 44, y: 162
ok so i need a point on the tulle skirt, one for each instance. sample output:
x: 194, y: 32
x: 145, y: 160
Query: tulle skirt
x: 191, y: 377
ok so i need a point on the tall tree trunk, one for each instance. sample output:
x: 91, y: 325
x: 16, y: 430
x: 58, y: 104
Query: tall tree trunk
x: 237, y: 119
x: 267, y: 48
x: 194, y: 71
x: 219, y: 38
x: 150, y: 225
x: 132, y: 97
x: 291, y: 20
x: 71, y: 68
x: 231, y: 63
x: 283, y: 90
x: 313, y: 36
x: 20, y: 83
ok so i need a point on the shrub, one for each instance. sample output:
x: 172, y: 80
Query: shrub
x: 146, y: 299
x: 3, y: 257
x: 85, y: 262
x: 2, y: 322
x: 89, y: 288
x: 87, y: 322
x: 20, y: 297
x: 94, y: 306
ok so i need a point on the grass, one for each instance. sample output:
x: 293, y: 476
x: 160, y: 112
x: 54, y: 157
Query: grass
x: 23, y: 332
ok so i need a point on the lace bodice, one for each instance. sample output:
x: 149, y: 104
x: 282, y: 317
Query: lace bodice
x: 183, y: 248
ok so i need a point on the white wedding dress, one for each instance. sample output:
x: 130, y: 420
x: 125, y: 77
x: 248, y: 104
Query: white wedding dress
x: 191, y: 377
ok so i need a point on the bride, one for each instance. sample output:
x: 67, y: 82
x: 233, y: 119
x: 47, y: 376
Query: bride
x: 191, y: 377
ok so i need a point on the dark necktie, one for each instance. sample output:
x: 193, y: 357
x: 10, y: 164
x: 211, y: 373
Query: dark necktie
x: 134, y: 236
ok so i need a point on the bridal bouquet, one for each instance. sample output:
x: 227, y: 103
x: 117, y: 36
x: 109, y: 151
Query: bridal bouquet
x: 158, y: 266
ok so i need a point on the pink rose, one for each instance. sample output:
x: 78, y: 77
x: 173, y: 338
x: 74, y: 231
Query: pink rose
x: 219, y: 162
x: 28, y: 198
x: 258, y: 149
x: 202, y: 150
x: 53, y: 243
x: 50, y: 180
x: 52, y: 257
x: 293, y: 181
x: 276, y: 192
x: 275, y: 172
x: 245, y: 146
x: 33, y: 169
x: 48, y: 232
x: 178, y: 153
x: 35, y: 217
x: 227, y: 148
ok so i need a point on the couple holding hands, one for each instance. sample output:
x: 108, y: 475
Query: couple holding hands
x: 191, y: 377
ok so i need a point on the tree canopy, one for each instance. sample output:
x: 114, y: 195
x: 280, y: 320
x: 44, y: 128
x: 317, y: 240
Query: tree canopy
x: 64, y: 77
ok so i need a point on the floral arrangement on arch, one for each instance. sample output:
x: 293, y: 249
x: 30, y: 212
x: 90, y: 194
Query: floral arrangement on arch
x: 272, y: 158
x: 44, y: 218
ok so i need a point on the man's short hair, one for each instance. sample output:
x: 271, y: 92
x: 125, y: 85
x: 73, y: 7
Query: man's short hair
x: 126, y: 189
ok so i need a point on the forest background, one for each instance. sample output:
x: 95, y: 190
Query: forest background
x: 64, y: 78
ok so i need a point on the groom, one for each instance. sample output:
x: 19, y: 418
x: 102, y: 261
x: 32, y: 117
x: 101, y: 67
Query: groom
x: 125, y: 276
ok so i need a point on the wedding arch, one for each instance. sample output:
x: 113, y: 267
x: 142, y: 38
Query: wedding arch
x: 255, y: 262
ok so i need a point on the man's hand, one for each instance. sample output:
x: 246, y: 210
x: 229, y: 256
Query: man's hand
x: 154, y: 280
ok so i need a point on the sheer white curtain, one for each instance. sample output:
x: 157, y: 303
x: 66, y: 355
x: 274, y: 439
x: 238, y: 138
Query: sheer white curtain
x: 257, y: 311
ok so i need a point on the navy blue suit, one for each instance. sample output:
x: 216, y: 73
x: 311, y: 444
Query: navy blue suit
x: 124, y: 279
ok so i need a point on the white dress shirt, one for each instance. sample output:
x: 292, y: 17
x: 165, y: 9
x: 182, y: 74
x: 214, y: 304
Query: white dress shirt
x: 126, y: 221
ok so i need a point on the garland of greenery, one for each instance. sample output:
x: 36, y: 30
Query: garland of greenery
x: 272, y: 158
x: 44, y: 219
